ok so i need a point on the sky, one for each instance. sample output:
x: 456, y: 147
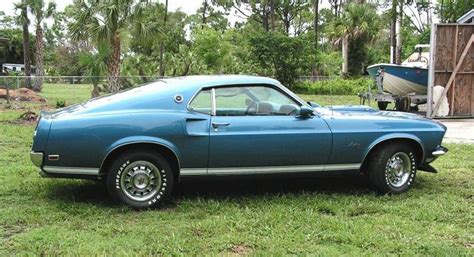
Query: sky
x: 187, y: 6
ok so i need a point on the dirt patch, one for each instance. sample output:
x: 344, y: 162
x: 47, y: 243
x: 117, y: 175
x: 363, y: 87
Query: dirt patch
x: 240, y: 250
x: 11, y: 230
x: 27, y: 118
x: 22, y: 94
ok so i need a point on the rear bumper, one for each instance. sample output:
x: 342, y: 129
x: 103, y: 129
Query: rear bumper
x: 36, y: 158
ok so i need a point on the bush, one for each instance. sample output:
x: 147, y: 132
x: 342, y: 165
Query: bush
x: 335, y: 86
x: 60, y: 103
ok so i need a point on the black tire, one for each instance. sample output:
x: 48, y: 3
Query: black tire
x: 403, y: 103
x: 382, y: 105
x: 140, y: 179
x: 384, y: 171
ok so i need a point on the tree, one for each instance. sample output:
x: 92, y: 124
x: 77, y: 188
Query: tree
x: 162, y: 44
x: 357, y: 22
x: 95, y: 65
x: 40, y: 11
x: 451, y: 10
x: 150, y: 36
x: 283, y: 56
x: 11, y: 50
x: 25, y: 23
x: 104, y: 22
x: 289, y: 11
x: 212, y: 49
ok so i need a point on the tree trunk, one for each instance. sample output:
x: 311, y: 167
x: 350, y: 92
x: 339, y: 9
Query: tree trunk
x: 272, y: 14
x: 39, y: 57
x: 393, y: 34
x: 345, y: 55
x: 316, y: 36
x: 398, y: 28
x: 162, y: 45
x: 204, y: 11
x: 26, y: 45
x: 113, y: 64
x: 95, y: 90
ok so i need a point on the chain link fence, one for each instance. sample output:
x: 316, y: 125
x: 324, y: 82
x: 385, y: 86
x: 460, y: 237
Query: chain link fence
x: 59, y: 91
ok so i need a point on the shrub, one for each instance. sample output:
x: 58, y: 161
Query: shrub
x: 335, y: 86
x: 60, y: 103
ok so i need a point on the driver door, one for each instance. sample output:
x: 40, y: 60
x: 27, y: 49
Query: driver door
x: 256, y: 127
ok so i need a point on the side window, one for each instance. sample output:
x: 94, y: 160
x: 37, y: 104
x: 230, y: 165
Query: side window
x: 253, y: 100
x: 202, y: 102
x: 231, y: 101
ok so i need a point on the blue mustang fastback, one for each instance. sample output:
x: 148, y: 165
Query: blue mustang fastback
x: 143, y: 140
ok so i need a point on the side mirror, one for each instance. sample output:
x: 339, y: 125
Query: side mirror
x: 305, y: 112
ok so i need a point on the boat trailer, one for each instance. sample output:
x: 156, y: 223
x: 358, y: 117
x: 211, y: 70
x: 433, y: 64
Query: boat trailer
x: 405, y: 103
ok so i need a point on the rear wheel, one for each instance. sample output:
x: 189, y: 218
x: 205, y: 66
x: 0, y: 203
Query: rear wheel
x: 140, y: 179
x: 392, y: 168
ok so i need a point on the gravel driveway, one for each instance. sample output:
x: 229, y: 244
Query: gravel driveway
x: 459, y: 131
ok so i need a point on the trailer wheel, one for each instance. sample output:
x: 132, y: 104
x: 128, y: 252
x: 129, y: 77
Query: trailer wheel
x: 402, y: 104
x: 382, y: 105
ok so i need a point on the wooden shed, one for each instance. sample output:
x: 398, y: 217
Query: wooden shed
x: 452, y: 66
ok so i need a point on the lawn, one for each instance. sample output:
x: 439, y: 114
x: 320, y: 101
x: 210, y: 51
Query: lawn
x: 322, y: 215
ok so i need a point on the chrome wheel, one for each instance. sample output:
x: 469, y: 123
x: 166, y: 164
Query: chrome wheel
x: 140, y: 180
x: 398, y: 169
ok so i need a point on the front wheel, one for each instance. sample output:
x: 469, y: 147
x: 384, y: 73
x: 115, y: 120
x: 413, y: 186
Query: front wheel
x: 140, y: 179
x: 392, y: 168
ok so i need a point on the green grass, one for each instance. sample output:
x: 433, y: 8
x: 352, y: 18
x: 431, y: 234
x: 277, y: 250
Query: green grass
x: 66, y: 92
x: 318, y: 216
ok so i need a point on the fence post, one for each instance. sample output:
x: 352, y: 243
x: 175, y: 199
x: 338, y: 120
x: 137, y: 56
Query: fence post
x: 74, y: 89
x: 18, y: 87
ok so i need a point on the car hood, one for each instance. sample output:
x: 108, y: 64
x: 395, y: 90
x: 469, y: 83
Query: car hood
x: 365, y: 112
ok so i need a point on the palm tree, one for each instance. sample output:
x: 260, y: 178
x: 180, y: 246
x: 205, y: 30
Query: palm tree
x: 95, y: 65
x: 104, y: 22
x: 25, y: 23
x: 357, y: 21
x: 40, y: 11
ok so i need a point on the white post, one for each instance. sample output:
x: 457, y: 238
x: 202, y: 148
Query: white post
x: 431, y: 71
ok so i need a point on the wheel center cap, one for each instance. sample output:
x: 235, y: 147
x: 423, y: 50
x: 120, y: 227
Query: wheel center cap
x: 140, y: 181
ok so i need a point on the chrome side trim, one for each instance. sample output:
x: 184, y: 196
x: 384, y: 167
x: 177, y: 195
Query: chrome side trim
x: 345, y: 166
x: 267, y: 169
x: 71, y: 170
x: 213, y: 102
x: 193, y: 171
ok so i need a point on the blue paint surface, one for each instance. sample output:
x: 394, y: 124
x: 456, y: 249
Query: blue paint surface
x: 83, y: 135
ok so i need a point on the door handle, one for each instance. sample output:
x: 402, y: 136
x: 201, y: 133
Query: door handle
x: 215, y: 125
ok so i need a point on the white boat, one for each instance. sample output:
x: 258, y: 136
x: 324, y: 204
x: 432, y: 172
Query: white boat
x: 407, y: 78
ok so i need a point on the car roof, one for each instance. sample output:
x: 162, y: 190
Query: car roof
x: 199, y: 81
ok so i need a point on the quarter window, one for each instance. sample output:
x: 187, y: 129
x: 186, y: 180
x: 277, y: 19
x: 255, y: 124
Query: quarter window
x: 202, y: 102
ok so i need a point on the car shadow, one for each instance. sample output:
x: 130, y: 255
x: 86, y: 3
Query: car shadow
x: 238, y: 187
x: 218, y: 188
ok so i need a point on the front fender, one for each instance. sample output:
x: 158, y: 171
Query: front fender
x: 391, y: 136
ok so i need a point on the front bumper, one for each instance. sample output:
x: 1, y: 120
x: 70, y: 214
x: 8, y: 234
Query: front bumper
x: 36, y: 158
x: 439, y: 151
x: 435, y: 153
